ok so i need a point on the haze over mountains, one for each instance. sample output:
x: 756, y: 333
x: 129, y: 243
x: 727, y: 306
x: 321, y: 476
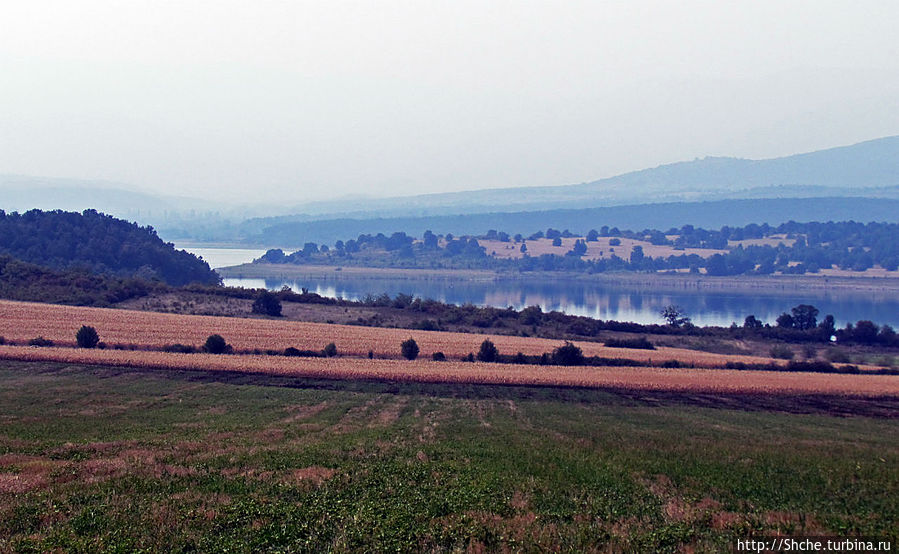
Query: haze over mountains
x: 869, y: 168
x: 866, y: 170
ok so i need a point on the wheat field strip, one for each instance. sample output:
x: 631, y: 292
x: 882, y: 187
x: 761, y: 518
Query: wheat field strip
x: 639, y: 378
x: 22, y: 321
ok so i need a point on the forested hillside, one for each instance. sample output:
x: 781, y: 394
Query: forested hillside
x: 100, y: 244
x: 288, y: 232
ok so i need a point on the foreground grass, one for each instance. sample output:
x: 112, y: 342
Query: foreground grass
x: 111, y: 459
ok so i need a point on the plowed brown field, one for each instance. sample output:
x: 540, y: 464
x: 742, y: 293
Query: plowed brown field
x: 640, y: 378
x: 21, y: 321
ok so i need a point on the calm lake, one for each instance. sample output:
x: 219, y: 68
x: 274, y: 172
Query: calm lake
x: 640, y: 304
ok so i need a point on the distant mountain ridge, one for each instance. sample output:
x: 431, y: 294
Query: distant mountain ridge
x: 868, y: 169
x: 711, y: 214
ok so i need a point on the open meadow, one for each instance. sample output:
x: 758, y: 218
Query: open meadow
x: 108, y: 459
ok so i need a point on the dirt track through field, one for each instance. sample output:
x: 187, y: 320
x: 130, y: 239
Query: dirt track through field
x: 636, y: 378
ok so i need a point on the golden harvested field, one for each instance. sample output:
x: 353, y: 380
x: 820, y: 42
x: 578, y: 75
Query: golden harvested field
x: 599, y: 249
x: 641, y: 378
x: 22, y: 321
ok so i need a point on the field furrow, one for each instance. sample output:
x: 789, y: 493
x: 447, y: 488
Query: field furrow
x: 697, y: 380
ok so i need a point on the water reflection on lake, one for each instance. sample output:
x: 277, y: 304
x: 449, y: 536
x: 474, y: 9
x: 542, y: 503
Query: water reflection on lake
x: 640, y: 304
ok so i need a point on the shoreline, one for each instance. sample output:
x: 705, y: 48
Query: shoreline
x: 747, y: 283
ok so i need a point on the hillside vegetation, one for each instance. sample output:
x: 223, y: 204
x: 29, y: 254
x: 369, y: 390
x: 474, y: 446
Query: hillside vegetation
x: 790, y: 248
x: 98, y: 243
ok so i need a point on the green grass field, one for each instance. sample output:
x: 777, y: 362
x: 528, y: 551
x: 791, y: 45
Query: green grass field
x: 117, y: 460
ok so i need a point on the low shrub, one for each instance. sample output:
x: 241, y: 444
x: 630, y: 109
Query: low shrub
x: 267, y: 303
x: 330, y: 350
x: 639, y: 342
x: 488, y: 351
x: 40, y: 341
x: 87, y: 337
x: 438, y: 357
x: 426, y: 325
x: 567, y: 354
x: 292, y: 352
x: 216, y: 344
x: 817, y: 366
x: 782, y: 352
x: 671, y: 364
x: 409, y: 349
x: 837, y: 356
x: 179, y: 348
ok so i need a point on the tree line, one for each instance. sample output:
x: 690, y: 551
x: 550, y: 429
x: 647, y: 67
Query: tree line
x: 809, y: 248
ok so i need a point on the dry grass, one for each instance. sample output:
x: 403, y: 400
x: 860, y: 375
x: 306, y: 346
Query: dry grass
x: 698, y: 380
x: 21, y: 321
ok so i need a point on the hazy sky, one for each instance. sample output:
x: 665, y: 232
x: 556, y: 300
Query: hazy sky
x: 316, y: 99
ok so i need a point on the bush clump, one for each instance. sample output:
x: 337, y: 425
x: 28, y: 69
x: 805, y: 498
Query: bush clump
x: 409, y: 349
x: 87, y: 337
x: 267, y: 303
x: 330, y: 351
x: 838, y: 356
x: 640, y: 342
x: 567, y: 354
x: 216, y: 344
x: 438, y: 357
x: 292, y: 352
x: 180, y: 348
x: 488, y: 352
x: 40, y: 341
x: 781, y: 352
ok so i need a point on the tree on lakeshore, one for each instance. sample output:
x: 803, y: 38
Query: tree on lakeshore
x: 805, y: 317
x: 674, y: 315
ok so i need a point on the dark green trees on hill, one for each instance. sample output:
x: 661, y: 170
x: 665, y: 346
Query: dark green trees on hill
x: 99, y: 243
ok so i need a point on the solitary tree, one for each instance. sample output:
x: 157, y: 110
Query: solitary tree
x: 87, y: 337
x: 488, y: 352
x: 674, y: 315
x: 409, y: 349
